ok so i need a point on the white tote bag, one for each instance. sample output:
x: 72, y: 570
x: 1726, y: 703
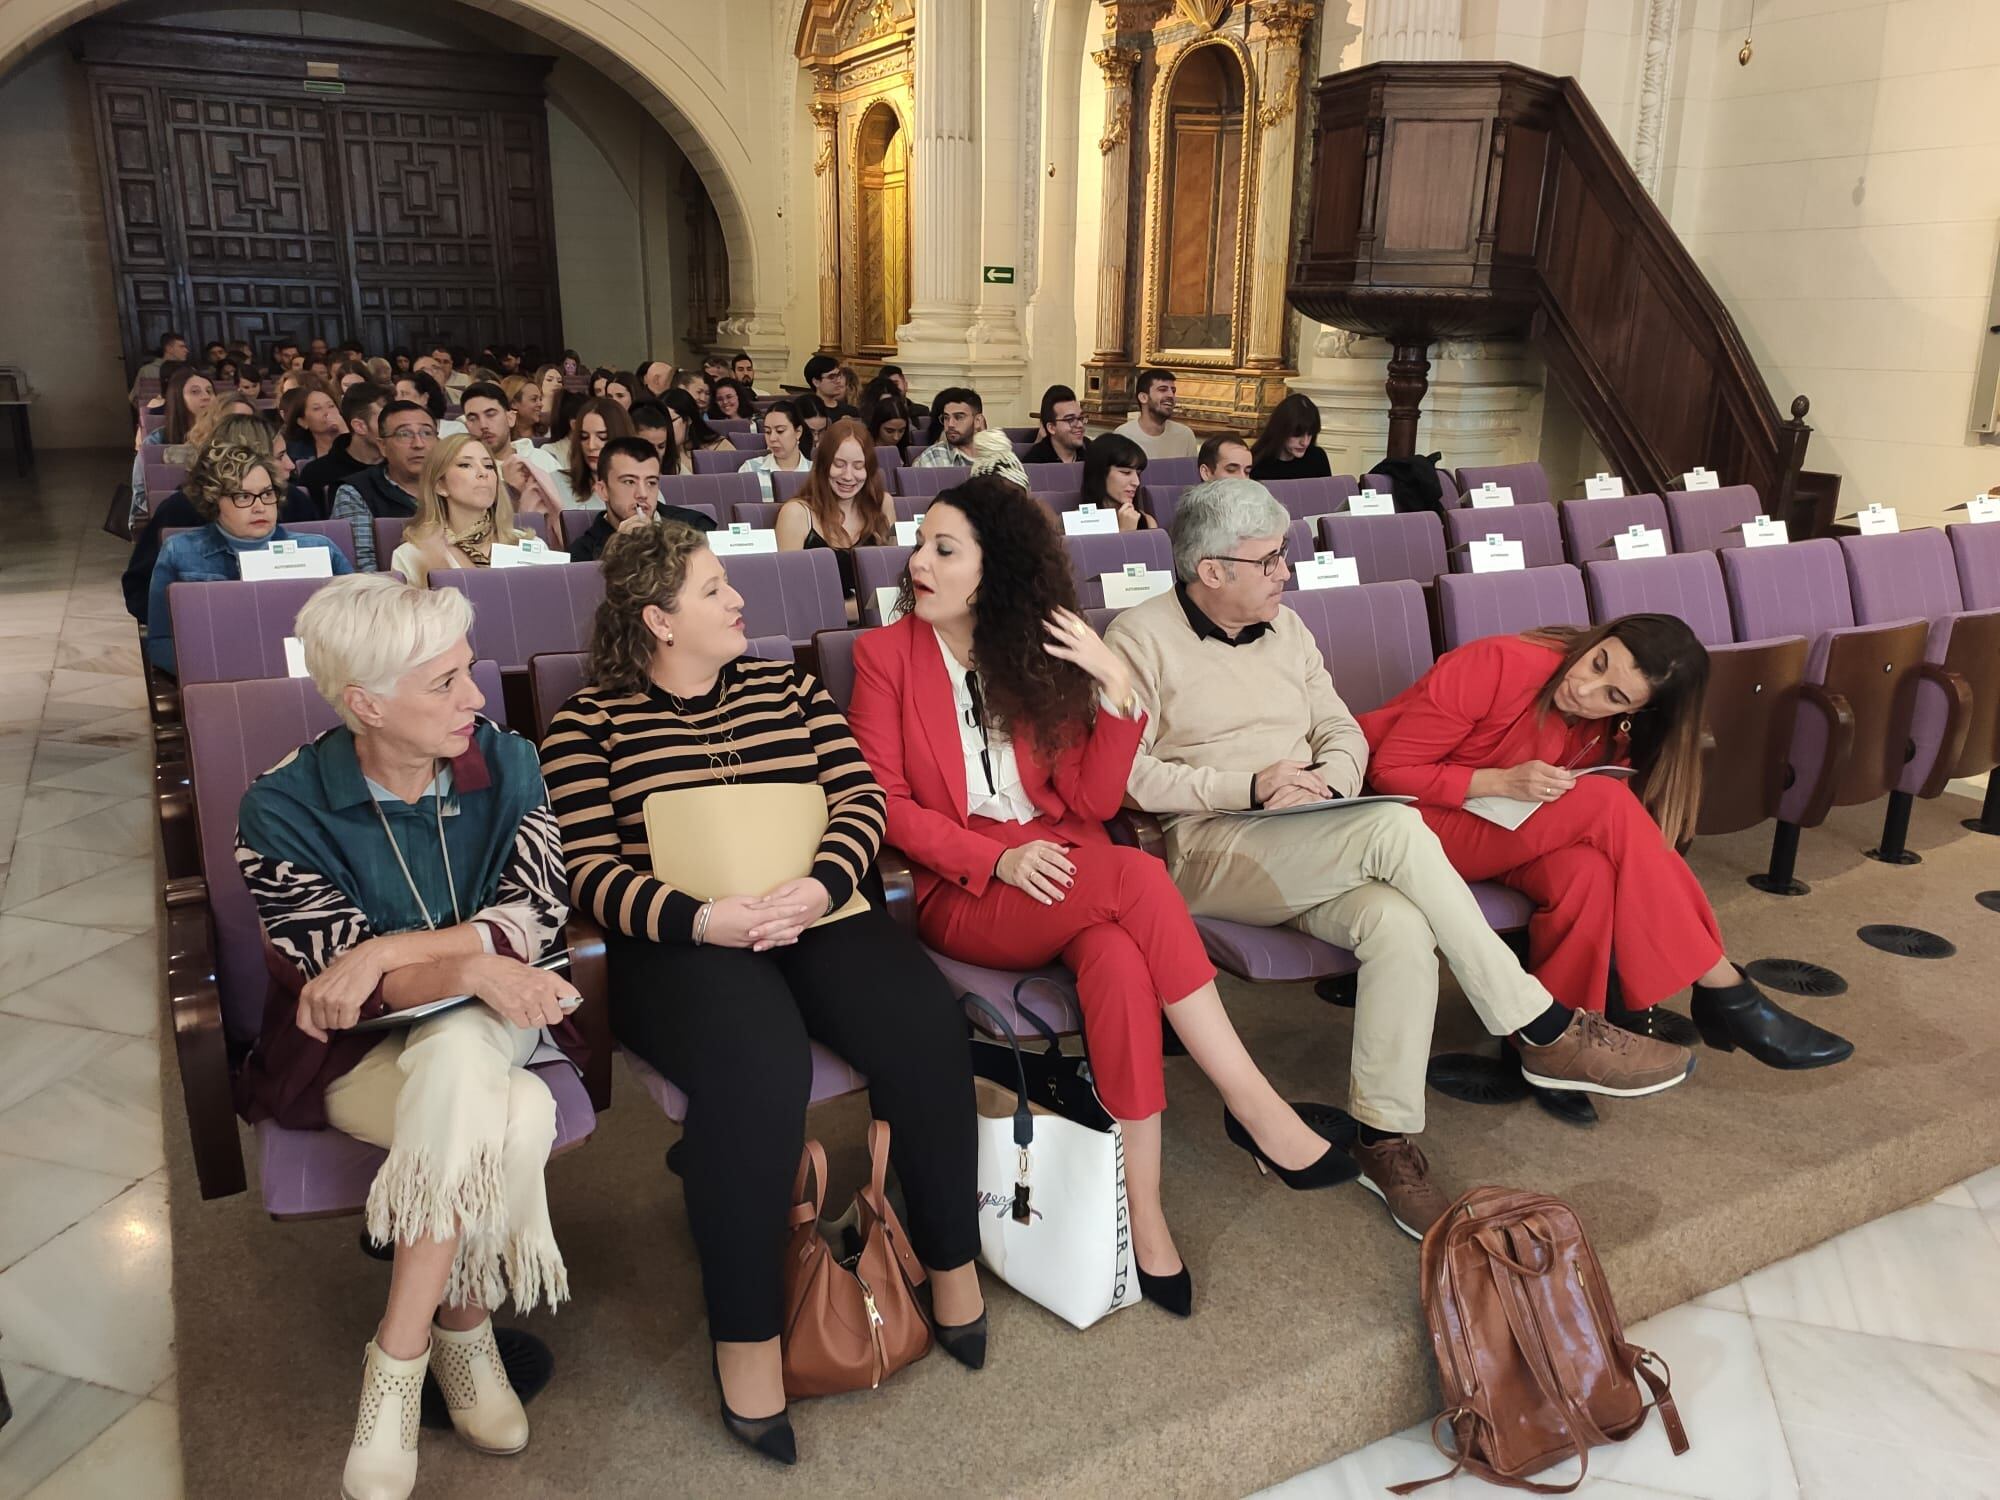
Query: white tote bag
x: 1053, y: 1222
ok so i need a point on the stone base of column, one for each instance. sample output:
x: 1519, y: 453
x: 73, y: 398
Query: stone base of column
x: 762, y: 337
x: 975, y: 347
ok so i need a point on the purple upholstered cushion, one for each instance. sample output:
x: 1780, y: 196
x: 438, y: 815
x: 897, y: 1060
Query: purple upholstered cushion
x: 1977, y: 550
x: 1589, y: 525
x: 1529, y: 482
x: 518, y: 613
x: 831, y: 1078
x: 1375, y: 640
x: 1165, y: 499
x: 1092, y: 556
x: 1797, y: 589
x: 876, y: 568
x: 1306, y: 498
x: 1173, y: 471
x: 1270, y: 954
x: 1384, y: 548
x: 719, y: 490
x: 836, y: 664
x: 931, y: 481
x: 233, y: 630
x: 1048, y: 992
x: 1475, y: 605
x: 1707, y: 520
x: 1909, y: 575
x: 1534, y: 526
x: 786, y: 483
x: 1687, y: 585
x: 724, y: 460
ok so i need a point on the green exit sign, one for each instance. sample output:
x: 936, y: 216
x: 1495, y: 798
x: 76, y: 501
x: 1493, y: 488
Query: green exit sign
x: 997, y: 275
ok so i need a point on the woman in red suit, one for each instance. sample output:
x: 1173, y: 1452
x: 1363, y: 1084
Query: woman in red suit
x: 1523, y: 718
x: 1002, y: 729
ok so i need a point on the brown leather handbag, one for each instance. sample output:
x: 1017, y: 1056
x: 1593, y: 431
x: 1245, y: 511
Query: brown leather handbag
x: 1531, y: 1356
x: 851, y: 1321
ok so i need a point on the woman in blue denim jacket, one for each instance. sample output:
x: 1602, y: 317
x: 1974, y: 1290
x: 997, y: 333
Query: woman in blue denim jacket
x: 236, y: 491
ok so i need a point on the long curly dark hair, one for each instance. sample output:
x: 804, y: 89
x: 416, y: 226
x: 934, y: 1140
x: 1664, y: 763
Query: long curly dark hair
x: 1024, y: 577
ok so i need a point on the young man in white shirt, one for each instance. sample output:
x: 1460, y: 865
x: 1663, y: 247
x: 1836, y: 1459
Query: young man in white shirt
x: 960, y: 416
x: 489, y: 419
x: 1153, y: 427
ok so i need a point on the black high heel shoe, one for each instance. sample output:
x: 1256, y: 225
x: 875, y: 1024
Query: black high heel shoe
x: 770, y: 1436
x: 1333, y: 1167
x: 1175, y: 1293
x: 1743, y: 1016
x: 964, y: 1342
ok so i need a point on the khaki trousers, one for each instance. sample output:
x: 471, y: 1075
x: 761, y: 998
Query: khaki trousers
x: 1373, y: 880
x: 468, y: 1131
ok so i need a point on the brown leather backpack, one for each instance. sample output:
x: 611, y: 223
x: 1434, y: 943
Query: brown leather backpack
x: 853, y: 1321
x: 1531, y: 1356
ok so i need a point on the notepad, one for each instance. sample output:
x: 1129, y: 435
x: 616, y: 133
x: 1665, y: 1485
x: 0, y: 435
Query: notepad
x: 1332, y: 804
x: 1512, y: 812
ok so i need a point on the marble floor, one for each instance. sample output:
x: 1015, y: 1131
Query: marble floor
x: 1869, y: 1366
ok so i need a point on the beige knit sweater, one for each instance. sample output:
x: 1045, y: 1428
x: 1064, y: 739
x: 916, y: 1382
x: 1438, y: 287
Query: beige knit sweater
x: 1217, y: 714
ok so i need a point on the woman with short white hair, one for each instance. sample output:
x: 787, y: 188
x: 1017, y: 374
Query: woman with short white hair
x: 406, y: 857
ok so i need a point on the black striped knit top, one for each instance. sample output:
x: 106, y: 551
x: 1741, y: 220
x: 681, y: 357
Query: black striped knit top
x: 605, y: 753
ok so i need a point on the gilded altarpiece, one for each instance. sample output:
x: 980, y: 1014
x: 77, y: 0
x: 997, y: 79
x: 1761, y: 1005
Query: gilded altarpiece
x: 861, y: 57
x: 1203, y: 100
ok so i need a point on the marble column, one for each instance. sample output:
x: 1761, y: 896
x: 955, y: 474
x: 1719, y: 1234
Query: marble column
x: 826, y: 179
x: 932, y: 347
x: 1118, y: 64
x: 1278, y: 64
x: 1411, y: 30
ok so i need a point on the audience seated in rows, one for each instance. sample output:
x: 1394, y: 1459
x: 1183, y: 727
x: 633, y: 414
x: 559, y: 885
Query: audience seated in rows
x: 628, y: 485
x: 787, y: 446
x: 1062, y: 436
x: 844, y: 502
x: 691, y: 430
x: 387, y: 490
x: 1113, y: 471
x: 351, y: 453
x: 1156, y: 395
x: 462, y: 511
x: 530, y: 473
x: 960, y: 417
x: 1288, y: 447
x: 184, y: 397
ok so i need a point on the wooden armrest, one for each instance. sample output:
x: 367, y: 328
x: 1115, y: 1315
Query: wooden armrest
x: 899, y: 887
x: 180, y: 834
x: 1839, y: 717
x: 1958, y: 718
x: 201, y: 1048
x: 1138, y: 830
x: 591, y: 976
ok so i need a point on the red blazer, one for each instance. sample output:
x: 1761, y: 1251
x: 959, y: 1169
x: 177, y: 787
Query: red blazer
x: 1475, y: 710
x: 905, y: 720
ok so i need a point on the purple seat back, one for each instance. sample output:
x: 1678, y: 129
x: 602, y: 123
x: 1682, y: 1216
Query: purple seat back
x: 889, y: 457
x: 836, y: 664
x: 340, y: 533
x: 1476, y: 605
x: 1058, y: 501
x: 1533, y: 526
x: 1375, y: 640
x: 389, y: 535
x: 930, y: 481
x: 1406, y: 545
x: 1299, y: 542
x: 909, y: 507
x: 723, y: 460
x: 237, y: 731
x: 877, y: 568
x: 732, y: 425
x: 1028, y: 435
x: 234, y: 631
x: 1529, y: 482
x: 1054, y: 476
x: 792, y: 594
x: 554, y: 677
x: 1686, y: 585
x: 1708, y: 520
x: 1305, y: 498
x: 761, y: 514
x: 1590, y: 525
x: 1173, y: 471
x: 786, y: 483
x: 1797, y: 589
x: 163, y: 478
x: 518, y: 613
x: 1910, y: 575
x: 747, y: 442
x: 718, y: 490
x: 1976, y: 549
x: 1090, y: 556
x: 1164, y: 499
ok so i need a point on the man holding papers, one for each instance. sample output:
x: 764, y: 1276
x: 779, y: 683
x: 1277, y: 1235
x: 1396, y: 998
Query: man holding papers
x: 1243, y: 715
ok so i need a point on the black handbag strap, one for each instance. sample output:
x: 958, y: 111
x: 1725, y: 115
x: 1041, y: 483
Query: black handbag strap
x: 1047, y: 1032
x: 1024, y: 1120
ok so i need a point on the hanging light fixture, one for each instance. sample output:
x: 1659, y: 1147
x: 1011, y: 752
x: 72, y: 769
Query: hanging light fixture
x: 1749, y: 47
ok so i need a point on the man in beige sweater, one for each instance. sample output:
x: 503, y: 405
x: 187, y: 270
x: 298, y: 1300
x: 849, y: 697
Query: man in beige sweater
x: 1242, y: 715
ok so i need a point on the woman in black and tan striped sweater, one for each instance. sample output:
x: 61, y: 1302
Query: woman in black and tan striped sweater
x: 722, y: 996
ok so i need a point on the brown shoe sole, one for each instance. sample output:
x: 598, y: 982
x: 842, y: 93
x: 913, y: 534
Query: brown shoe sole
x: 1415, y: 1234
x: 1585, y: 1086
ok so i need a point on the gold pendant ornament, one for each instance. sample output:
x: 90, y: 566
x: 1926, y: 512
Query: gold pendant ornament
x: 1203, y: 13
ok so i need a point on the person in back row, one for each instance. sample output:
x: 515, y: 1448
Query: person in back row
x: 828, y: 400
x: 628, y: 486
x: 960, y: 416
x: 1288, y: 447
x: 1061, y: 418
x: 844, y: 502
x: 1244, y: 717
x: 463, y: 511
x: 1223, y: 457
x: 787, y: 447
x: 388, y: 489
x: 524, y: 469
x: 1525, y: 717
x: 1113, y: 470
x: 1152, y: 426
x: 351, y: 453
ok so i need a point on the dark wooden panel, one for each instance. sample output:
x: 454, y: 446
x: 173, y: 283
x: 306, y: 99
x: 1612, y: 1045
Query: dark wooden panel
x: 1431, y: 197
x: 1666, y: 381
x: 1337, y: 210
x: 1521, y: 190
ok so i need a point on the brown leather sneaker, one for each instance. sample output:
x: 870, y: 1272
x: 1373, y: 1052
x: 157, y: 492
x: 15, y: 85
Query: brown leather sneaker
x: 1595, y: 1057
x: 1395, y: 1171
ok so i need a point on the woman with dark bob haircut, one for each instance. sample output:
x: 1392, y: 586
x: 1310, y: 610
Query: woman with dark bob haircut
x: 1288, y: 447
x: 725, y: 995
x: 1003, y: 730
x: 1112, y: 466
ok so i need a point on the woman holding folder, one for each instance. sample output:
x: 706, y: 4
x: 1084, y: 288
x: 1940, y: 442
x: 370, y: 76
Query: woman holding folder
x: 684, y: 761
x: 1507, y: 730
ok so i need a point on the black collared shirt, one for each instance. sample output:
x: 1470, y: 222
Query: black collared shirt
x: 1207, y: 630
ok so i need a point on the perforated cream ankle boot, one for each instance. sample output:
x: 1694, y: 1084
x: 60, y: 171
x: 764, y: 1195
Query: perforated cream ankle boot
x: 382, y: 1462
x: 484, y: 1408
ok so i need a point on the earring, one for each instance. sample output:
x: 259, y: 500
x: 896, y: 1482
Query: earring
x: 670, y: 637
x: 1625, y: 726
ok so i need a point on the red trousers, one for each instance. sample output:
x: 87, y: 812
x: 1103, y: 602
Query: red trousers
x: 1608, y: 890
x: 1125, y: 932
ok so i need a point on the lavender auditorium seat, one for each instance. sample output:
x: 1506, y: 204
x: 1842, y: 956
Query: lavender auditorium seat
x: 1753, y: 686
x: 1853, y: 727
x: 162, y: 478
x: 236, y: 731
x: 555, y: 677
x: 1955, y: 719
x: 909, y: 507
x: 1711, y: 520
x: 1534, y: 526
x: 1164, y: 499
x: 576, y: 521
x: 152, y: 421
x: 876, y: 568
x: 732, y: 425
x: 763, y: 515
x: 389, y: 535
x: 1092, y: 556
x: 1299, y: 543
x: 1058, y: 501
x: 518, y: 613
x: 718, y: 490
x: 1029, y: 435
x: 1304, y: 499
x: 785, y: 484
x: 888, y: 456
x: 235, y: 631
x: 1529, y: 482
x: 792, y: 594
x: 1406, y: 545
x: 1048, y: 992
x: 1590, y: 526
x: 750, y: 442
x: 721, y: 460
x: 930, y: 481
x: 1475, y: 605
x: 1174, y: 471
x: 1054, y: 477
x: 340, y: 533
x: 1976, y: 550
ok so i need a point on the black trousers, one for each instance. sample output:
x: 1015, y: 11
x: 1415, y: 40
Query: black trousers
x: 730, y: 1028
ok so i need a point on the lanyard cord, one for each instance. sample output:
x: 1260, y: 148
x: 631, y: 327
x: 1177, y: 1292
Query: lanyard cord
x: 437, y: 806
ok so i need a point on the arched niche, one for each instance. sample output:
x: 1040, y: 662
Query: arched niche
x: 882, y: 193
x: 1199, y: 249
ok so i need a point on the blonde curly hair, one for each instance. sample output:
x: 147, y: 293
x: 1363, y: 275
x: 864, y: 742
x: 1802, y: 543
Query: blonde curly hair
x: 648, y: 566
x: 221, y: 470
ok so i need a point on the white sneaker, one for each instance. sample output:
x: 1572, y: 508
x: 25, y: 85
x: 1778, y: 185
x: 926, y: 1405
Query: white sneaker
x: 382, y: 1461
x: 484, y: 1408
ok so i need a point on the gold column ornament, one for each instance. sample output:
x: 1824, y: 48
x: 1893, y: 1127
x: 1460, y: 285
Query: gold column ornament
x: 826, y: 174
x: 1284, y: 24
x: 1118, y: 64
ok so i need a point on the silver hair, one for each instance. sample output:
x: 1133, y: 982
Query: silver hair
x: 1213, y: 517
x: 368, y: 630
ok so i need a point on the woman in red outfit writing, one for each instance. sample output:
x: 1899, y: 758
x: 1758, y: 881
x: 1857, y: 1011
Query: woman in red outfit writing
x: 1524, y: 719
x: 1002, y: 729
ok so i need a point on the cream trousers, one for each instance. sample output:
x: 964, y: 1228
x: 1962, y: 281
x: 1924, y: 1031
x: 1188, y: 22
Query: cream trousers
x: 468, y: 1130
x: 1373, y: 880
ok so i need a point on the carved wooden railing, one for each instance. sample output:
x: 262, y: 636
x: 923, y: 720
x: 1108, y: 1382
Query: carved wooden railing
x: 1484, y: 198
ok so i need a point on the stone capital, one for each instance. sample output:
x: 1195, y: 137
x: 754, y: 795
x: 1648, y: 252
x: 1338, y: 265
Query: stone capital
x: 1118, y: 64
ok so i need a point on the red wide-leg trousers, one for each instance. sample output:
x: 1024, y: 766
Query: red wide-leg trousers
x: 1608, y: 890
x: 1124, y: 931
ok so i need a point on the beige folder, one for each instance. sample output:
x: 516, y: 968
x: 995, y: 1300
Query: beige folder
x: 739, y: 840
